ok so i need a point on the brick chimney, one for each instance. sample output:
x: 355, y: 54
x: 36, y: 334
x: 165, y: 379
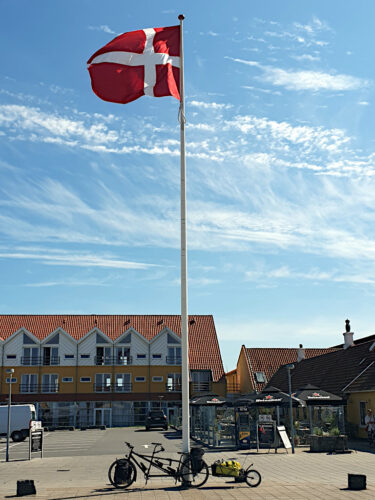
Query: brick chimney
x: 300, y: 353
x: 348, y: 335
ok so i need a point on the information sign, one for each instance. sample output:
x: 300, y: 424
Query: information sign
x: 36, y: 442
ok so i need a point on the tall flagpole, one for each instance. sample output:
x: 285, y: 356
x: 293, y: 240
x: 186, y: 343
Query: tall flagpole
x: 184, y: 294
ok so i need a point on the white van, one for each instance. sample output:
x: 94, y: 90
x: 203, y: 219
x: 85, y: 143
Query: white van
x: 21, y: 417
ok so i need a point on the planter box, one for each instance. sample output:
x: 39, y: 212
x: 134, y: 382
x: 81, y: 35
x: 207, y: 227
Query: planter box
x: 328, y: 443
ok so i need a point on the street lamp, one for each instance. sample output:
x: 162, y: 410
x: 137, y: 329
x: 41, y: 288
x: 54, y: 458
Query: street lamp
x: 289, y: 368
x: 10, y: 371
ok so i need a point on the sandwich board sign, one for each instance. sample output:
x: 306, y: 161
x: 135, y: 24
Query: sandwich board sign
x: 284, y: 436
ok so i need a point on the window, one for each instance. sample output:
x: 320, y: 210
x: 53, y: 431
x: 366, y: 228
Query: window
x: 103, y: 356
x: 85, y: 356
x: 69, y: 356
x: 201, y: 381
x: 67, y: 379
x: 50, y: 382
x: 51, y: 356
x: 157, y: 379
x: 11, y: 356
x: 362, y: 412
x: 102, y: 382
x: 122, y: 356
x: 30, y: 356
x: 14, y: 380
x: 141, y: 356
x: 156, y: 356
x: 260, y: 377
x: 123, y: 383
x: 85, y: 379
x: 174, y: 355
x: 140, y: 379
x: 29, y: 383
x: 174, y: 382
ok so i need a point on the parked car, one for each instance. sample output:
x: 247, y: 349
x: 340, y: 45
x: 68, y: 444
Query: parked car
x: 156, y: 418
x: 21, y: 419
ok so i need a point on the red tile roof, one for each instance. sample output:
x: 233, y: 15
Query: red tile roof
x: 269, y: 360
x: 204, y: 350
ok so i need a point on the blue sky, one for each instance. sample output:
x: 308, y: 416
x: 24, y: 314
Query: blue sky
x: 280, y: 169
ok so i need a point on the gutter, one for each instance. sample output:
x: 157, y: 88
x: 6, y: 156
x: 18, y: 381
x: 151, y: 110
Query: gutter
x: 355, y: 378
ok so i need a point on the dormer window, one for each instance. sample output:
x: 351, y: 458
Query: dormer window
x: 260, y: 377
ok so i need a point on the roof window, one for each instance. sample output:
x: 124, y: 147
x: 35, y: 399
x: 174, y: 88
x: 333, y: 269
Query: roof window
x: 260, y: 377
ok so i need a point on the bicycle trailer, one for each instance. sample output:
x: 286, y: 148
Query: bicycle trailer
x: 229, y: 468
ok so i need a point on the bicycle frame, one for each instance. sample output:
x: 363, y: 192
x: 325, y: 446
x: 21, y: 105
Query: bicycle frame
x: 157, y: 463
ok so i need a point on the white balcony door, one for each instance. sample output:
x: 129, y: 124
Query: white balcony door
x: 103, y: 382
x: 29, y: 382
x: 50, y: 382
x: 123, y: 382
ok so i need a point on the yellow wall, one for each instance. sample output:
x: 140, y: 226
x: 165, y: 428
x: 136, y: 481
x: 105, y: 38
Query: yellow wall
x: 243, y: 376
x: 353, y: 414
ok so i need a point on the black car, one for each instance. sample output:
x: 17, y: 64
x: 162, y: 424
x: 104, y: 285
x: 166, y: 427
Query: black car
x: 156, y: 418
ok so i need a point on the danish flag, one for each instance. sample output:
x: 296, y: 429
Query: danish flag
x: 137, y: 63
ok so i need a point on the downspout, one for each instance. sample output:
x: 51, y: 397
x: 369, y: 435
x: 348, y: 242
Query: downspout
x: 2, y: 367
x: 76, y: 391
x: 149, y: 374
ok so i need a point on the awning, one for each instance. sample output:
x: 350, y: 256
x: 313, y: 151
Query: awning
x: 313, y: 396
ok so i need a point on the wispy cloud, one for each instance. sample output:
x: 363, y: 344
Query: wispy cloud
x: 304, y: 80
x: 103, y: 27
x: 74, y: 259
x: 210, y: 105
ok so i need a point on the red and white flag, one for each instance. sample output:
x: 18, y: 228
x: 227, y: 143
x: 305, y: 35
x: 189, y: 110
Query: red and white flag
x: 137, y: 63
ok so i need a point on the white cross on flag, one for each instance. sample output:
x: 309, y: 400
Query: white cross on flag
x: 137, y: 63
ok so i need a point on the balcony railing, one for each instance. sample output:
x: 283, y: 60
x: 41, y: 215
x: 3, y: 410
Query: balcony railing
x: 201, y: 386
x: 38, y: 388
x: 173, y: 360
x: 113, y: 387
x: 40, y: 360
x: 50, y: 360
x: 31, y: 360
x: 174, y: 387
x: 113, y: 360
x: 233, y: 388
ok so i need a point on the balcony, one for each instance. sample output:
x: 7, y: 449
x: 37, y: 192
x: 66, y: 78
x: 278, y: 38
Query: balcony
x: 233, y: 388
x: 38, y: 388
x: 173, y: 387
x: 113, y: 387
x: 201, y: 386
x: 113, y: 360
x: 31, y: 360
x: 50, y: 360
x: 173, y: 360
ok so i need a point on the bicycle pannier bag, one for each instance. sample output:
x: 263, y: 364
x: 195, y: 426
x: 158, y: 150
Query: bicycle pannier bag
x: 122, y: 471
x: 196, y: 459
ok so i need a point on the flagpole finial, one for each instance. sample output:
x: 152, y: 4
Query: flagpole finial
x: 181, y: 17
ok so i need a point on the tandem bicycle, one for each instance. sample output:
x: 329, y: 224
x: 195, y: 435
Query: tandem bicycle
x: 191, y: 470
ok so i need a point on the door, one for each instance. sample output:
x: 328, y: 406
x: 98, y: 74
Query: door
x: 102, y: 416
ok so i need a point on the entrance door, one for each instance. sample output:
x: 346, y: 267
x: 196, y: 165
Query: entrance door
x: 102, y: 416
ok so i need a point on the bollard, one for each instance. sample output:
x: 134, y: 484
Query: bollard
x: 25, y: 487
x: 356, y: 482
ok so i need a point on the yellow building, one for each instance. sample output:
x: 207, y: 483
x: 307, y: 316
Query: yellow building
x: 83, y: 370
x: 348, y: 372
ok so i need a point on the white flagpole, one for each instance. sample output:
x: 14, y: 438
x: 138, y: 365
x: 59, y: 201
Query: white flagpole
x: 184, y: 294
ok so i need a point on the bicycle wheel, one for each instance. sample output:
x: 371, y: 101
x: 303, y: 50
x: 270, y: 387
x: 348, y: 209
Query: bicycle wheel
x: 119, y: 481
x: 196, y: 479
x: 253, y: 478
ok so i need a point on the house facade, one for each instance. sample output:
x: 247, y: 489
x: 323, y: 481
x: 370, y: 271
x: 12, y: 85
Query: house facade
x: 348, y: 372
x: 256, y: 366
x: 110, y: 370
